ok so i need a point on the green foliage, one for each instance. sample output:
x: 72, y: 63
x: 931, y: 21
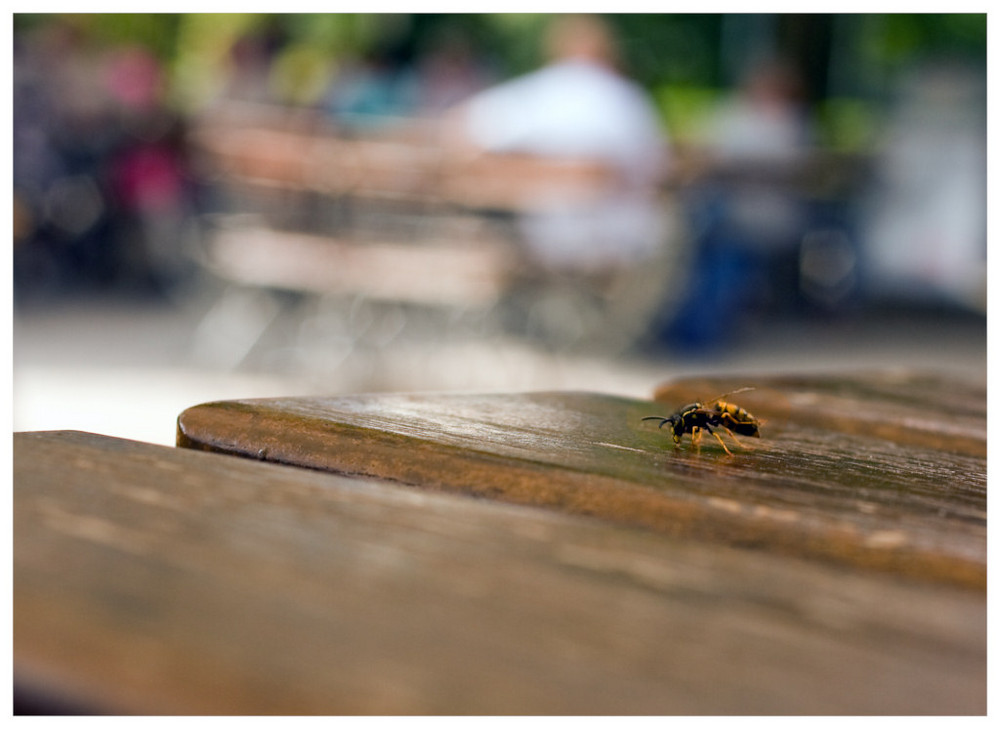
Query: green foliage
x: 685, y: 109
x: 156, y: 32
x: 203, y: 44
x: 846, y: 125
x: 670, y: 49
x: 909, y: 36
x: 519, y: 38
x: 676, y: 56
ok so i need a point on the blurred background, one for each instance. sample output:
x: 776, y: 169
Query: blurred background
x: 247, y: 205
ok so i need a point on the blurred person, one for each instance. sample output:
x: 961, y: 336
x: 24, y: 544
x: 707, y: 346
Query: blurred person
x: 925, y: 227
x: 248, y: 67
x: 448, y: 73
x: 147, y: 180
x: 36, y: 164
x: 98, y: 165
x: 63, y: 128
x: 579, y: 108
x: 764, y: 121
x: 372, y: 91
x: 745, y: 210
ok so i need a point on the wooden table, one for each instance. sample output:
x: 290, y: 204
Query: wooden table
x: 545, y: 553
x: 876, y: 471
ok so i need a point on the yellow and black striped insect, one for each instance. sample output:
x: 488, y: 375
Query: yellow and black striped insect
x: 717, y: 413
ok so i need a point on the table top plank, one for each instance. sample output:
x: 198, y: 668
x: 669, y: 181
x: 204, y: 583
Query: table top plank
x: 156, y: 580
x: 818, y: 484
x: 902, y: 406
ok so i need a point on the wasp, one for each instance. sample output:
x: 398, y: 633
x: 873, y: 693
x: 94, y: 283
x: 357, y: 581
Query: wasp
x: 717, y: 413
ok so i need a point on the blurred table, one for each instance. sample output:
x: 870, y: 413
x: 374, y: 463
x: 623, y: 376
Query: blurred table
x: 834, y: 566
x: 407, y: 160
x: 403, y: 220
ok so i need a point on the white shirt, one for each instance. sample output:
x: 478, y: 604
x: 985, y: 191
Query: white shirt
x: 581, y: 110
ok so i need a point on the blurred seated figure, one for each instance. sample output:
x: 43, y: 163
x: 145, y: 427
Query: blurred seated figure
x: 924, y: 221
x: 758, y: 140
x: 372, y: 92
x: 745, y: 206
x: 579, y: 108
x: 448, y: 72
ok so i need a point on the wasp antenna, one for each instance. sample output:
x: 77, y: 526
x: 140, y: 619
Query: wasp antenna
x: 732, y: 392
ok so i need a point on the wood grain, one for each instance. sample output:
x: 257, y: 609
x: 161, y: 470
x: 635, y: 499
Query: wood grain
x: 826, y: 483
x: 901, y: 406
x: 165, y: 581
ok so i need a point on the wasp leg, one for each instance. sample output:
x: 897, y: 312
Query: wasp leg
x: 719, y: 438
x: 735, y: 439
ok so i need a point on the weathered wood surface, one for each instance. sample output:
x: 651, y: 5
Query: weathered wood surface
x: 863, y: 471
x: 156, y: 580
x: 901, y: 406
